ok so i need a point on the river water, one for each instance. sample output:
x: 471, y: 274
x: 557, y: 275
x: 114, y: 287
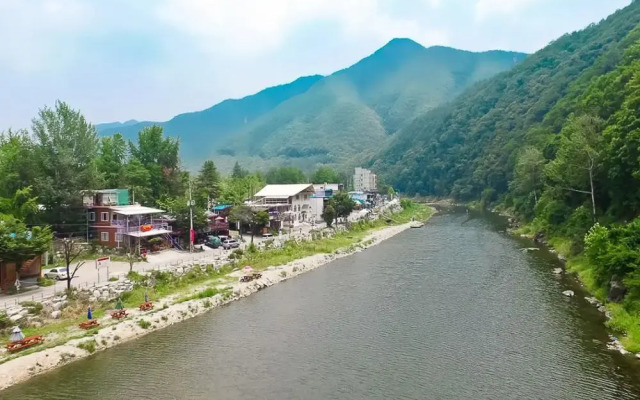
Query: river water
x: 451, y: 311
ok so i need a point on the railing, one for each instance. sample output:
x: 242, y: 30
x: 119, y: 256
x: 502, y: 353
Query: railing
x: 137, y: 228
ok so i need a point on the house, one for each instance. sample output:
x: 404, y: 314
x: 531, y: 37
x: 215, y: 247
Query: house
x: 323, y: 193
x: 288, y: 205
x: 30, y: 269
x: 365, y: 181
x: 113, y: 222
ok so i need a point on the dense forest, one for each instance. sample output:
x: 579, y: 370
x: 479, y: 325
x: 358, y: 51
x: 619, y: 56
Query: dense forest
x: 556, y: 140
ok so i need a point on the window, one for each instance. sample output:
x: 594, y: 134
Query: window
x: 305, y: 196
x: 297, y: 197
x: 92, y: 216
x: 104, y: 216
x: 104, y: 236
x: 118, y: 237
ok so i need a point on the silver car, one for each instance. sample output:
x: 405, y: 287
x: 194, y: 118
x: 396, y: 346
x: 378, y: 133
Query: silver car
x: 230, y: 244
x: 56, y: 273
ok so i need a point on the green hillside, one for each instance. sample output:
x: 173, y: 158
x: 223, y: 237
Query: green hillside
x: 346, y: 116
x: 471, y: 145
x: 199, y: 130
x: 340, y: 119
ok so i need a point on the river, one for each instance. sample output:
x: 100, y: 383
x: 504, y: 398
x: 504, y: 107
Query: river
x: 454, y: 310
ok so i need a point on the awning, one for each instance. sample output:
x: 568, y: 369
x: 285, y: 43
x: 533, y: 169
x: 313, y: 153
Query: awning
x: 221, y: 207
x: 153, y: 232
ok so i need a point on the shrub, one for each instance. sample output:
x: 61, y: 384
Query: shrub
x: 283, y: 274
x: 144, y: 324
x: 43, y: 282
x: 89, y: 345
x: 207, y: 303
x: 5, y: 322
x: 33, y: 307
x: 113, y: 279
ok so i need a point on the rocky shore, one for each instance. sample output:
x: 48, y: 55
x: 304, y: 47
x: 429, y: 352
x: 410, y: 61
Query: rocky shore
x: 140, y: 323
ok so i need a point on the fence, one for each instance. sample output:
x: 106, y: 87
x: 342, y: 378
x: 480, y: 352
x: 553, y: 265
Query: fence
x: 50, y: 292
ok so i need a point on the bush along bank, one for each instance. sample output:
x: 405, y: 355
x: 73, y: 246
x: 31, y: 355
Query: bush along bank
x: 607, y: 262
x: 186, y: 291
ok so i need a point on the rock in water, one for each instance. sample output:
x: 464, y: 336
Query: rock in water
x: 568, y: 293
x: 557, y: 271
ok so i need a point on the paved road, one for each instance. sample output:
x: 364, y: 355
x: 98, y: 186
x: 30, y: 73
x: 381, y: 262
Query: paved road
x: 88, y: 275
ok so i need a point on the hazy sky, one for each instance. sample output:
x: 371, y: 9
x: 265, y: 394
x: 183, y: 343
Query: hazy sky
x: 151, y: 59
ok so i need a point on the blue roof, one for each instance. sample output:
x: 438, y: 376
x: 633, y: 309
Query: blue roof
x: 221, y: 207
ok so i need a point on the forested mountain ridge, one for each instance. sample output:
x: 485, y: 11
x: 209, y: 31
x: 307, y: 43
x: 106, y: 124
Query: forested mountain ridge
x: 331, y: 119
x: 471, y: 144
x: 203, y: 128
x: 351, y: 112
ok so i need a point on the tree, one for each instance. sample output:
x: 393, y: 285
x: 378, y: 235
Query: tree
x: 529, y: 172
x: 326, y: 175
x: 578, y: 158
x: 285, y: 175
x: 18, y: 167
x: 138, y: 180
x: 72, y: 250
x: 207, y: 184
x: 112, y: 154
x: 22, y: 205
x: 343, y: 204
x: 66, y: 156
x: 160, y: 157
x: 178, y: 208
x: 259, y: 220
x: 131, y: 254
x: 238, y: 171
x: 237, y: 190
x: 390, y: 192
x: 241, y: 214
x: 329, y: 215
x: 19, y: 243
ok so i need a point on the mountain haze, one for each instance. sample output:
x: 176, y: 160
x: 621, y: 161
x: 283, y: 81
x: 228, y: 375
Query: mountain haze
x: 338, y: 119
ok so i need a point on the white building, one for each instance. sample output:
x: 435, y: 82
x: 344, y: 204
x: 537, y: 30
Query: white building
x: 287, y: 204
x: 365, y: 181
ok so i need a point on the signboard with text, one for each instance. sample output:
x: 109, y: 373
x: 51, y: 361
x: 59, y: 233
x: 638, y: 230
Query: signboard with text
x: 103, y: 262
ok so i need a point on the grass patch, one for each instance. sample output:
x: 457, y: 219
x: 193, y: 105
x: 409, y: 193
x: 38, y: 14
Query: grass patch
x: 44, y: 282
x: 144, y: 324
x: 32, y: 306
x: 89, y: 345
x: 113, y: 279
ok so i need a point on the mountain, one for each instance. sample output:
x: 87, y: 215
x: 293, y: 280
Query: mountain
x: 200, y: 130
x: 339, y: 119
x: 469, y: 147
x: 348, y: 114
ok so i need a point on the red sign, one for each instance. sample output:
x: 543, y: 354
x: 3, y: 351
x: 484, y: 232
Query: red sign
x: 192, y: 235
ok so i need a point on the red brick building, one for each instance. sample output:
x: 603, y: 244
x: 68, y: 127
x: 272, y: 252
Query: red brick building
x: 30, y: 269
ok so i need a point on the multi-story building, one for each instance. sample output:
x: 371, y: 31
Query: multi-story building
x: 288, y: 205
x: 113, y: 222
x: 365, y: 181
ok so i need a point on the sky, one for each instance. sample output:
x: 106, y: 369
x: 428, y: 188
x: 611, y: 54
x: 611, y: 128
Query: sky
x: 117, y: 60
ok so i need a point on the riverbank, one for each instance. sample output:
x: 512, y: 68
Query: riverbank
x: 205, y: 294
x: 623, y: 324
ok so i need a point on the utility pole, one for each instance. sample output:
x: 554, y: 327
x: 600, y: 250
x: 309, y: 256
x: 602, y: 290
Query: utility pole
x: 191, y: 233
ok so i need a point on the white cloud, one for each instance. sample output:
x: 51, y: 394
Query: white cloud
x: 488, y: 8
x: 253, y: 27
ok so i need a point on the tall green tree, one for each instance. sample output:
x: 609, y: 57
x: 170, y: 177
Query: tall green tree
x: 66, y: 153
x: 159, y: 155
x: 138, y: 180
x: 579, y: 160
x: 19, y: 243
x: 18, y: 167
x: 326, y: 174
x: 259, y: 220
x: 23, y: 205
x: 343, y: 204
x: 241, y: 214
x: 238, y: 172
x: 207, y: 185
x: 112, y: 158
x: 285, y: 175
x: 529, y: 173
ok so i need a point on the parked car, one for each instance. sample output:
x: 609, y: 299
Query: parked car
x: 230, y: 244
x: 56, y: 273
x: 267, y: 235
